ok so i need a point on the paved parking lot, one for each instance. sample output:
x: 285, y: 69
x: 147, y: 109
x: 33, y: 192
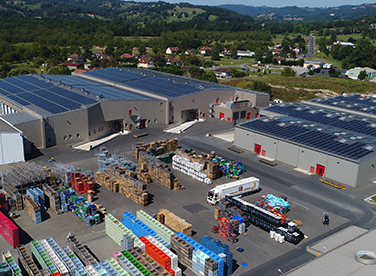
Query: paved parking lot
x: 308, y: 198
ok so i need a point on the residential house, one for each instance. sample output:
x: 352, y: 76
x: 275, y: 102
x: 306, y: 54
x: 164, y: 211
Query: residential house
x: 172, y: 50
x: 204, y: 49
x: 187, y: 52
x: 76, y: 58
x: 223, y: 73
x: 146, y: 62
x: 187, y: 69
x: 247, y: 53
x: 225, y: 52
x: 72, y: 65
x: 78, y: 71
x: 344, y: 44
x: 277, y: 52
x: 99, y: 54
x: 126, y: 55
x: 173, y: 61
x: 313, y: 63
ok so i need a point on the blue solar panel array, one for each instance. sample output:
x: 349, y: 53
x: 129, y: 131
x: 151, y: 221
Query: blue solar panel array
x: 27, y: 90
x: 352, y: 102
x: 312, y: 114
x: 323, y: 139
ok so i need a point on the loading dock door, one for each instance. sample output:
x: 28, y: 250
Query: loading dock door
x: 257, y: 148
x: 248, y: 115
x: 263, y: 152
x: 320, y: 170
x: 221, y: 115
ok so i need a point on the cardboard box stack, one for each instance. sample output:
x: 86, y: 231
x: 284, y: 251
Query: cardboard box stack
x: 174, y: 222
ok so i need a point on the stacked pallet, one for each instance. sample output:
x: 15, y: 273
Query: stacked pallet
x: 27, y: 262
x: 19, y: 202
x: 5, y: 270
x: 9, y: 231
x: 42, y: 257
x: 158, y: 227
x: 4, y: 207
x: 52, y: 177
x: 80, y: 250
x: 123, y: 183
x: 158, y: 171
x: 183, y: 250
x: 221, y: 249
x: 85, y: 210
x: 226, y: 229
x: 38, y: 196
x: 61, y: 267
x: 82, y: 183
x: 7, y: 258
x: 149, y: 263
x: 54, y: 198
x: 32, y: 209
x: 116, y: 230
x: 155, y: 148
x: 174, y: 222
x: 80, y: 268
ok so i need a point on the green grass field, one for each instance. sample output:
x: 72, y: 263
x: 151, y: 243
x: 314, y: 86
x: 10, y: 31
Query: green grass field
x: 278, y: 39
x: 183, y: 10
x: 229, y: 61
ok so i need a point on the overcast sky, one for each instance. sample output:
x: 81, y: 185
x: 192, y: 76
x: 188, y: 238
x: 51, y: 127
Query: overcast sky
x: 272, y: 3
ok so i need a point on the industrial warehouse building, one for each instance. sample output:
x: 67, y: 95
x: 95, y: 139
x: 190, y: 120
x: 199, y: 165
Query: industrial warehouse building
x: 54, y: 110
x: 334, y: 138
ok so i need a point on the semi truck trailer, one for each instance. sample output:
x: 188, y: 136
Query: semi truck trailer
x: 236, y: 188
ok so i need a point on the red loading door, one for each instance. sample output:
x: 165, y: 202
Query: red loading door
x: 221, y: 115
x: 248, y: 115
x: 257, y: 148
x: 312, y: 169
x: 320, y: 170
x: 263, y: 152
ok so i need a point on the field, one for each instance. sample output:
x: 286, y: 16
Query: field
x: 327, y: 59
x: 176, y: 11
x: 229, y: 61
x: 278, y: 39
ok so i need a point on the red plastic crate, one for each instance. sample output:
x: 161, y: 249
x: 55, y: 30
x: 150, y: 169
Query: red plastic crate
x: 9, y: 231
x: 158, y: 255
x: 171, y: 272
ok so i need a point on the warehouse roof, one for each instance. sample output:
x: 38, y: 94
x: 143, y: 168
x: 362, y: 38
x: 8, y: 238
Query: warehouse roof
x: 361, y: 103
x: 343, y: 120
x: 341, y: 261
x: 42, y: 97
x: 336, y: 141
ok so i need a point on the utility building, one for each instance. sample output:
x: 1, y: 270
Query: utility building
x: 335, y: 138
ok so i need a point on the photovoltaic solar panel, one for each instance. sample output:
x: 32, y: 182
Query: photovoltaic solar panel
x: 37, y: 82
x: 9, y: 87
x: 19, y: 83
x: 57, y: 99
x: 18, y: 100
x: 42, y: 103
x: 71, y: 95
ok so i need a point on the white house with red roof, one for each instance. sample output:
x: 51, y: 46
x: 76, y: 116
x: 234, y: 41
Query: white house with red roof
x: 172, y: 50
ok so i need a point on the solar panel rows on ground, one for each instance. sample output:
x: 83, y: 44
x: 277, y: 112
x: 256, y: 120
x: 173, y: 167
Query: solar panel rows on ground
x: 324, y: 139
x: 27, y: 90
x: 367, y: 127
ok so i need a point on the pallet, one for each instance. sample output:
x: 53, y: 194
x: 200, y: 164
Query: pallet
x: 236, y: 149
x: 140, y: 135
x: 333, y: 183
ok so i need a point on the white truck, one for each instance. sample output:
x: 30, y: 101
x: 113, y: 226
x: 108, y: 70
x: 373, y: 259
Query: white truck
x: 240, y: 187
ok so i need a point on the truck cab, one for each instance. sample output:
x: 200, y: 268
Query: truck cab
x: 213, y: 197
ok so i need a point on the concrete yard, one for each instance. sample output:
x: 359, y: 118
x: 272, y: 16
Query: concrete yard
x: 308, y: 198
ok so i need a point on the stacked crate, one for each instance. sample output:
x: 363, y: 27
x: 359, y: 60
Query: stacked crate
x: 81, y: 182
x: 148, y: 262
x: 219, y: 248
x: 175, y: 223
x: 206, y: 251
x: 76, y: 261
x: 63, y: 270
x: 5, y: 270
x: 158, y: 255
x: 7, y: 258
x: 226, y: 229
x: 117, y: 267
x: 167, y: 251
x: 126, y: 243
x: 155, y: 148
x: 38, y: 196
x: 136, y: 226
x: 27, y: 262
x: 211, y: 267
x: 85, y: 210
x: 91, y: 271
x: 41, y: 255
x: 198, y: 262
x: 158, y: 171
x: 158, y: 227
x: 116, y: 230
x: 128, y: 258
x: 9, y: 231
x: 108, y: 268
x: 32, y: 209
x: 80, y: 250
x: 183, y: 250
x: 55, y: 203
x: 18, y: 201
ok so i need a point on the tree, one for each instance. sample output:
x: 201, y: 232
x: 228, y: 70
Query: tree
x: 215, y: 55
x: 288, y: 72
x: 261, y: 86
x: 362, y: 75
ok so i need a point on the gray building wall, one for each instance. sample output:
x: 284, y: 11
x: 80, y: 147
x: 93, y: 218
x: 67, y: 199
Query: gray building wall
x: 342, y: 170
x: 367, y: 171
x: 269, y: 145
x: 244, y: 139
x: 288, y: 153
x: 218, y: 109
x: 308, y: 158
x: 33, y: 132
x: 256, y: 99
x: 69, y: 127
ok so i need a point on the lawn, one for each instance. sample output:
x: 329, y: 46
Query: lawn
x: 229, y: 61
x: 183, y: 10
x: 327, y: 59
x: 279, y: 37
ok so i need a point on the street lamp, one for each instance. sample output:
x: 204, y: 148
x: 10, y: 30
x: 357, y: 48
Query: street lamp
x: 280, y: 271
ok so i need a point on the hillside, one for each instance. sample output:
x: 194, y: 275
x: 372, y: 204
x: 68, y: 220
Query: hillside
x: 293, y: 13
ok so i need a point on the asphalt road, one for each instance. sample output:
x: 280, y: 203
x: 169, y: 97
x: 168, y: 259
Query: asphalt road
x: 308, y: 198
x: 311, y: 50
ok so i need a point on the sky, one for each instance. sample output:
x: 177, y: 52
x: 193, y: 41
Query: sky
x: 270, y: 3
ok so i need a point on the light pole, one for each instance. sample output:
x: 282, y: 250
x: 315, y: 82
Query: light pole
x: 280, y: 271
